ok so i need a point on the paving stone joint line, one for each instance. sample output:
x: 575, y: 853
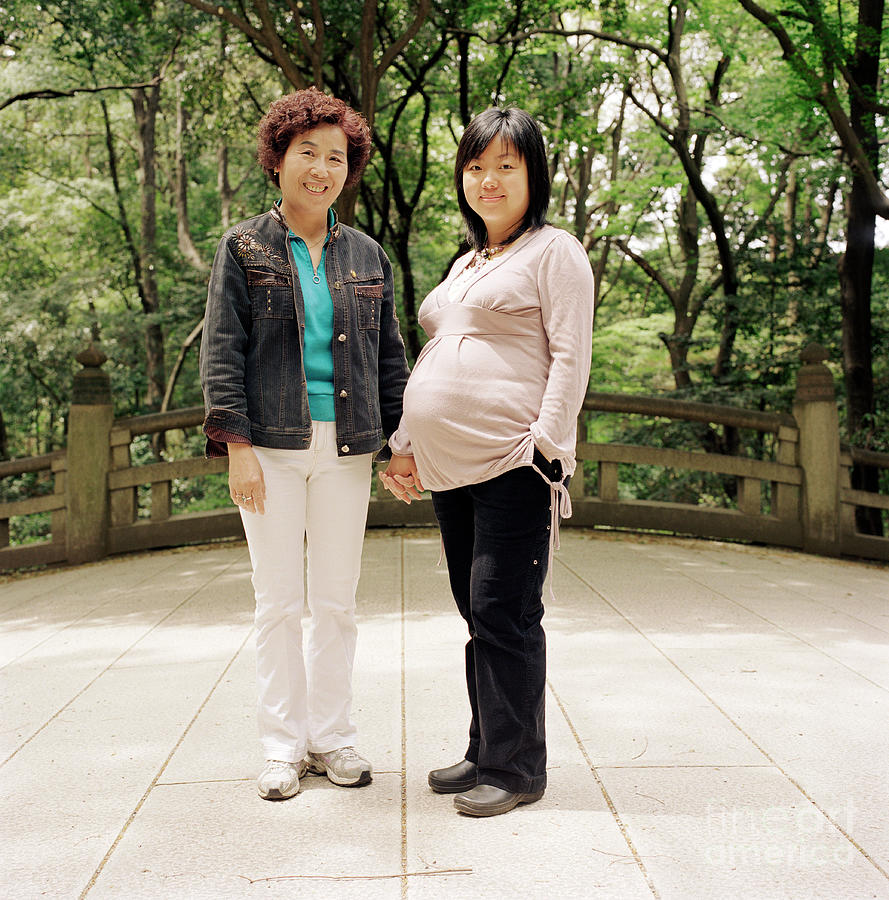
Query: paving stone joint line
x: 737, y: 725
x: 154, y: 782
x: 111, y: 665
x: 604, y: 791
x: 787, y: 631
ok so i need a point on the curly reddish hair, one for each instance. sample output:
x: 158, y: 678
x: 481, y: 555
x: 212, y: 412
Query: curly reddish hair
x: 302, y: 111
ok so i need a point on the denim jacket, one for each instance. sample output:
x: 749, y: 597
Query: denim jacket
x: 252, y: 347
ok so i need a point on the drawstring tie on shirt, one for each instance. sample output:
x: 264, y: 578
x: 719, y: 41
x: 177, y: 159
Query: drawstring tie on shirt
x: 560, y: 508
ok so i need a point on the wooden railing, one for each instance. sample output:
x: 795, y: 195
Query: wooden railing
x: 799, y: 497
x: 162, y: 528
x: 51, y: 467
x: 852, y: 542
x: 127, y: 531
x: 779, y: 523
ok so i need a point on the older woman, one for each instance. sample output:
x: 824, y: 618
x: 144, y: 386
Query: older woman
x: 489, y: 426
x: 303, y: 369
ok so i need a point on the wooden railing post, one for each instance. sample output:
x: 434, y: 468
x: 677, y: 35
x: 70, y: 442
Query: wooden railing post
x: 786, y: 497
x: 576, y: 487
x: 58, y: 519
x: 89, y: 460
x: 815, y: 410
x: 122, y: 501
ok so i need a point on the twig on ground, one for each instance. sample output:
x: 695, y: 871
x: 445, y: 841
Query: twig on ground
x: 357, y: 877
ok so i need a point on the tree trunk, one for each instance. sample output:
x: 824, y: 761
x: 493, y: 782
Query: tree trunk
x: 408, y: 295
x: 223, y: 185
x: 183, y: 227
x: 677, y: 346
x: 857, y: 262
x: 611, y: 207
x: 684, y: 315
x: 791, y: 201
x: 345, y: 207
x: 145, y: 107
x: 689, y: 146
x: 223, y: 182
x: 463, y: 93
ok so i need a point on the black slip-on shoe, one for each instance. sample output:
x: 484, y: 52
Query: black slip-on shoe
x: 487, y: 800
x: 454, y: 779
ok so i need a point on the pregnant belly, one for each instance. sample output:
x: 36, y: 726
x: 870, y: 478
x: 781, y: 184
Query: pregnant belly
x: 466, y: 389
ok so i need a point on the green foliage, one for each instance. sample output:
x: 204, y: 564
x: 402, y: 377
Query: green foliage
x: 34, y: 527
x: 628, y: 355
x: 613, y: 115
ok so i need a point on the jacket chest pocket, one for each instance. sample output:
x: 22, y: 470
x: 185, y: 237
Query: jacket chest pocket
x: 271, y: 296
x: 369, y: 299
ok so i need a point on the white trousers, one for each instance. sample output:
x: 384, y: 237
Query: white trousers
x: 318, y: 499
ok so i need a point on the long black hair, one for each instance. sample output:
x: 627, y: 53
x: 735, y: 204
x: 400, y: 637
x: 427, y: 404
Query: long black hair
x: 517, y: 128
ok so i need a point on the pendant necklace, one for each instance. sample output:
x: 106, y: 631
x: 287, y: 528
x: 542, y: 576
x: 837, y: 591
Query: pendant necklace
x: 480, y: 257
x: 316, y: 278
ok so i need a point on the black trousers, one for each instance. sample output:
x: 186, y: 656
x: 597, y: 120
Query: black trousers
x: 496, y: 541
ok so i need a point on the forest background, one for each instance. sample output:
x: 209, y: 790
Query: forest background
x: 720, y: 160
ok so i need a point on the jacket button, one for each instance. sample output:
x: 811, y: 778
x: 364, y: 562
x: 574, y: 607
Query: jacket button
x: 343, y: 394
x: 353, y: 273
x: 345, y: 448
x: 341, y: 338
x: 337, y: 284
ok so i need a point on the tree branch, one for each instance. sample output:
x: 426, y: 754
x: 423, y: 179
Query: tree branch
x: 54, y: 94
x: 273, y: 41
x: 647, y: 268
x: 73, y: 190
x: 177, y: 366
x: 824, y: 93
x: 780, y: 187
x: 563, y: 32
x: 409, y: 33
x: 223, y: 12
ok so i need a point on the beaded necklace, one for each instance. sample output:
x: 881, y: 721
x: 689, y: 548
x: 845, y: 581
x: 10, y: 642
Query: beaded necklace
x: 480, y: 257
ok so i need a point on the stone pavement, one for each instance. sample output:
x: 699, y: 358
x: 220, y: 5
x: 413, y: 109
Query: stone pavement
x: 718, y: 727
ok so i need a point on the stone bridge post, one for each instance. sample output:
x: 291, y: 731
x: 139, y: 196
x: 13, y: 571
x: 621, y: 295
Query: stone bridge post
x: 89, y: 459
x: 815, y: 411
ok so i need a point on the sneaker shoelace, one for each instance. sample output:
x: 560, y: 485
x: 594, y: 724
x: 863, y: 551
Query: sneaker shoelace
x: 348, y: 754
x: 278, y: 767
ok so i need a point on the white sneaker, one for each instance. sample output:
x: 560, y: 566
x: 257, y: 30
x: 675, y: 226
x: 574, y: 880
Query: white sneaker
x: 345, y: 766
x: 279, y: 780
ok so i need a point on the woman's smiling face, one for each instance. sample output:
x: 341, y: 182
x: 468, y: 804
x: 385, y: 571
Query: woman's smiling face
x: 496, y: 188
x: 313, y: 171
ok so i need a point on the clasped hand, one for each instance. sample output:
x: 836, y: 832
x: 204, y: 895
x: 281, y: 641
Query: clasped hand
x: 402, y: 479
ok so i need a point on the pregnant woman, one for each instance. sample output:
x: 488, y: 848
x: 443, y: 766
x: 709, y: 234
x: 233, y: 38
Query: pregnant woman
x: 489, y: 426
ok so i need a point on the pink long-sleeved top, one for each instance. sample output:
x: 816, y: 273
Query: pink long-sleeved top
x: 506, y: 366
